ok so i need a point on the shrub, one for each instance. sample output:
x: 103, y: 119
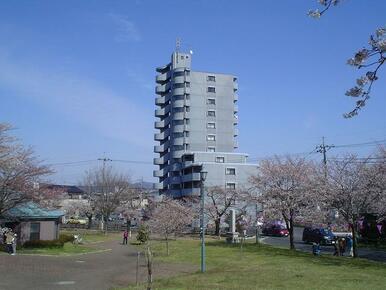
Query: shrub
x: 143, y: 234
x: 44, y: 244
x: 66, y: 238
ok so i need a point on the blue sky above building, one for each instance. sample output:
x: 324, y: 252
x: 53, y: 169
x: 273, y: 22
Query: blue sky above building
x: 77, y: 77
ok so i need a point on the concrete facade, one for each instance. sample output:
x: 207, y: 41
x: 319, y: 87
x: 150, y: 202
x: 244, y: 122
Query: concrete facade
x: 197, y: 128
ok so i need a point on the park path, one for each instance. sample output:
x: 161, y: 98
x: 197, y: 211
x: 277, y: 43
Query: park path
x: 94, y: 271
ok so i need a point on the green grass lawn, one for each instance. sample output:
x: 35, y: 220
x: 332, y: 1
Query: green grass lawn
x: 68, y: 249
x: 265, y: 267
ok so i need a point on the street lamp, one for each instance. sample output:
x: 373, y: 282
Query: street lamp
x: 202, y: 222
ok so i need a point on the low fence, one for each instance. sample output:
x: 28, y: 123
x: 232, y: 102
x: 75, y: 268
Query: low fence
x: 96, y: 226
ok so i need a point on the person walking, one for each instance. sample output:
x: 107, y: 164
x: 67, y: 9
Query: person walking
x: 349, y: 245
x: 8, y: 241
x: 125, y: 235
x: 336, y: 247
x: 342, y: 246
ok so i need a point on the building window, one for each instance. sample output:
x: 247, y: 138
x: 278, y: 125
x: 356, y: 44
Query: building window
x: 211, y: 125
x: 186, y: 133
x: 230, y: 171
x: 211, y: 78
x: 187, y: 121
x: 211, y: 113
x: 211, y: 149
x: 34, y: 232
x: 211, y: 137
x: 187, y: 96
x: 187, y: 147
x: 211, y: 90
x: 220, y: 159
x: 178, y: 86
x: 187, y: 109
x: 230, y: 185
x: 211, y: 101
x: 178, y: 134
x: 187, y: 85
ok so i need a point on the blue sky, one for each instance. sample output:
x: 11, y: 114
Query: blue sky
x: 77, y: 77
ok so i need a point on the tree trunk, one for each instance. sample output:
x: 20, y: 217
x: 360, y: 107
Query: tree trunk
x: 354, y: 240
x: 167, y: 245
x: 217, y: 226
x: 106, y: 218
x: 89, y: 222
x: 291, y: 234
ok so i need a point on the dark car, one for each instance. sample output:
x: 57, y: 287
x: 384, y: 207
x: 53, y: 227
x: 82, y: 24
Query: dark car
x: 275, y: 230
x: 318, y: 235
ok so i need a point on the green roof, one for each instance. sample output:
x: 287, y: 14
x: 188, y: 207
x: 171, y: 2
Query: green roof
x: 31, y: 210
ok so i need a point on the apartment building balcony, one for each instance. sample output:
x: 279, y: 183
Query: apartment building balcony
x: 178, y: 116
x: 160, y: 124
x: 235, y: 120
x: 178, y: 104
x: 177, y: 154
x: 178, y: 129
x: 236, y: 97
x: 159, y: 185
x: 161, y: 148
x: 163, y: 69
x: 159, y: 173
x: 162, y: 89
x: 162, y: 100
x: 174, y: 179
x: 235, y: 108
x: 162, y: 112
x: 161, y: 136
x: 235, y: 86
x: 235, y: 132
x: 161, y: 160
x: 235, y: 144
x: 191, y: 177
x: 163, y: 77
x: 181, y: 91
x: 178, y: 141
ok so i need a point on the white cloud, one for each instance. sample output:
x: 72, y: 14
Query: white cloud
x: 126, y: 30
x: 80, y: 99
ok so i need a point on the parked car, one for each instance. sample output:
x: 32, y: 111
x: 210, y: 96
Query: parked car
x: 318, y: 235
x: 275, y: 230
x: 77, y: 221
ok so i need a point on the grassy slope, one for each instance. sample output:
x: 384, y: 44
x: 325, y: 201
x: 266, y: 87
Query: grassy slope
x: 263, y: 267
x: 67, y: 249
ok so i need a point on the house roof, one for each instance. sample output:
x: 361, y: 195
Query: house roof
x: 31, y: 210
x: 72, y: 189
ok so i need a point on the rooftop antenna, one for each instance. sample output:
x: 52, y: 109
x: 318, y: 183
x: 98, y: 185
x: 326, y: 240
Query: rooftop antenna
x: 178, y: 44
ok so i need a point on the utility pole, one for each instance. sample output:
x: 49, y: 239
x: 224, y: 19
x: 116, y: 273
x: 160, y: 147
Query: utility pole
x: 104, y: 189
x: 323, y: 148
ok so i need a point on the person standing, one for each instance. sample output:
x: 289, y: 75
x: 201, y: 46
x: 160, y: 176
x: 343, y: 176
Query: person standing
x: 349, y: 244
x: 14, y: 243
x: 125, y: 235
x: 8, y: 241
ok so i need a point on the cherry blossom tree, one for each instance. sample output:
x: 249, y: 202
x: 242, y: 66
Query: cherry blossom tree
x: 219, y: 200
x: 285, y: 189
x: 108, y: 189
x: 19, y: 170
x: 354, y: 187
x: 370, y: 58
x: 170, y: 217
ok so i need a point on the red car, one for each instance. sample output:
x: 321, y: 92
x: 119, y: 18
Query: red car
x: 275, y: 230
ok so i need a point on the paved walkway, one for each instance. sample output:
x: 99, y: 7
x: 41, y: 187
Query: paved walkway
x: 94, y: 271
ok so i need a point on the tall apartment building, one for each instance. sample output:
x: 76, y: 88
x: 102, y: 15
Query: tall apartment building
x: 197, y: 123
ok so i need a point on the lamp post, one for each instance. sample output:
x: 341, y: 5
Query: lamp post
x: 202, y: 220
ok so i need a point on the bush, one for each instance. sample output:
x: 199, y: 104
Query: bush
x: 66, y: 238
x: 143, y: 234
x: 44, y: 244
